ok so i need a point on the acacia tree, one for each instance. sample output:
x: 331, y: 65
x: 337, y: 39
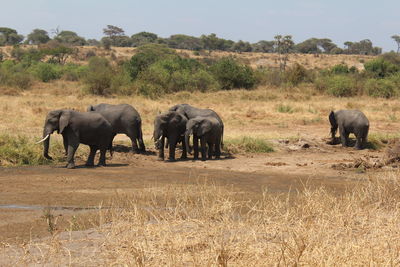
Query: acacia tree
x: 38, y: 36
x: 283, y: 46
x: 9, y: 36
x: 396, y: 38
x: 114, y: 34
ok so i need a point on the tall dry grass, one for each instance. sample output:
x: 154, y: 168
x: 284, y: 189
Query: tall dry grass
x: 208, y: 225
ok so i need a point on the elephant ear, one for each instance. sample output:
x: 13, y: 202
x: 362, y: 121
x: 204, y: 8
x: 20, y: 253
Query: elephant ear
x: 332, y: 119
x: 64, y: 120
x: 204, y: 127
x: 176, y: 119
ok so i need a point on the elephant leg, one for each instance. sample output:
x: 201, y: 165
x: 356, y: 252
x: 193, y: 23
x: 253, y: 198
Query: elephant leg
x: 72, y: 147
x: 203, y: 144
x: 90, y: 160
x: 161, y: 150
x: 133, y: 136
x: 111, y: 145
x: 344, y: 137
x: 218, y: 149
x: 184, y: 152
x: 172, y: 146
x: 102, y: 159
x: 359, y: 142
x: 65, y: 142
x: 210, y: 150
x: 195, y: 147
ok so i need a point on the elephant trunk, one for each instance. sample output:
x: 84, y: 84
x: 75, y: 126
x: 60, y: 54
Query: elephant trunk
x: 187, y: 135
x: 46, y: 144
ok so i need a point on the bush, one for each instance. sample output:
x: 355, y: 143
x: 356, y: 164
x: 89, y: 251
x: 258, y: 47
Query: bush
x: 384, y: 88
x: 340, y: 69
x: 147, y: 55
x: 18, y: 150
x: 230, y: 74
x: 174, y: 75
x: 72, y: 72
x: 296, y: 74
x: 15, y: 75
x: 337, y: 85
x: 46, y: 72
x: 98, y: 76
x: 249, y: 145
x: 380, y: 68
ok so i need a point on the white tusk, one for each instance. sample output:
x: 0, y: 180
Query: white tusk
x: 160, y: 138
x: 47, y: 136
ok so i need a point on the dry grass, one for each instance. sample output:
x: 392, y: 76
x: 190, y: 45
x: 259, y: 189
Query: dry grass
x: 208, y: 225
x: 254, y: 113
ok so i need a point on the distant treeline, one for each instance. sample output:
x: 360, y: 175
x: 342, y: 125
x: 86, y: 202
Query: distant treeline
x: 115, y: 36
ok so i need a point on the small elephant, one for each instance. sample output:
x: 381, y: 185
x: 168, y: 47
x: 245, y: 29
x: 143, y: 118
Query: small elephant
x: 170, y: 125
x: 124, y: 119
x: 349, y: 121
x: 209, y: 131
x: 191, y: 112
x: 88, y: 128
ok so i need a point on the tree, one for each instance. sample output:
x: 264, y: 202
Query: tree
x: 9, y: 36
x: 283, y: 46
x: 114, y: 33
x: 182, y: 41
x: 143, y: 38
x: 263, y: 46
x: 241, y: 46
x: 38, y: 36
x: 363, y: 47
x: 70, y: 38
x: 396, y: 38
x: 59, y: 52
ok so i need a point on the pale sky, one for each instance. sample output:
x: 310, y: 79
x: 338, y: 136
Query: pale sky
x: 251, y: 20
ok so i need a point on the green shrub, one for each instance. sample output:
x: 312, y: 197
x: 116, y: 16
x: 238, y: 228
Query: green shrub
x: 340, y: 69
x: 73, y: 72
x: 98, y: 77
x: 147, y: 55
x: 380, y: 68
x: 384, y: 88
x: 249, y: 145
x: 174, y: 75
x: 230, y: 74
x: 15, y: 75
x: 284, y: 108
x: 337, y: 85
x: 296, y: 74
x: 46, y: 72
x: 19, y: 150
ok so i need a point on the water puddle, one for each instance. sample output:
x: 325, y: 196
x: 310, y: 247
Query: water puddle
x: 35, y: 207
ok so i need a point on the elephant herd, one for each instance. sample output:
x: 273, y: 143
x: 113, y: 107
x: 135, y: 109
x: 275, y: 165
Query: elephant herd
x: 98, y: 126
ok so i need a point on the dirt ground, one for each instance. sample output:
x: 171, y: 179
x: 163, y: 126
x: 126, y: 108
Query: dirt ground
x: 74, y: 195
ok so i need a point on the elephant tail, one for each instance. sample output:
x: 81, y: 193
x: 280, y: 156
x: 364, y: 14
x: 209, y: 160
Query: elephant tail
x: 222, y: 137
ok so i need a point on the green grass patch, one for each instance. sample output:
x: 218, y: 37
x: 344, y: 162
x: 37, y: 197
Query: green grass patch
x: 284, y: 108
x: 18, y: 150
x: 378, y: 141
x: 248, y: 144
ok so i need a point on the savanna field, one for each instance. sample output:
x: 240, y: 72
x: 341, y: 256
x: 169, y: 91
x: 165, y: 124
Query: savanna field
x: 280, y: 195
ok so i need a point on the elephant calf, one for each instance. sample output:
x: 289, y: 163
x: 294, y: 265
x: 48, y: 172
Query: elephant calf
x: 88, y: 128
x: 349, y: 121
x: 170, y: 125
x: 209, y: 131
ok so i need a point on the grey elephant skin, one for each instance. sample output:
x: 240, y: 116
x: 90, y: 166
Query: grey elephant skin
x: 209, y: 131
x: 191, y: 112
x: 171, y: 126
x: 124, y: 119
x: 88, y: 128
x: 349, y: 121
